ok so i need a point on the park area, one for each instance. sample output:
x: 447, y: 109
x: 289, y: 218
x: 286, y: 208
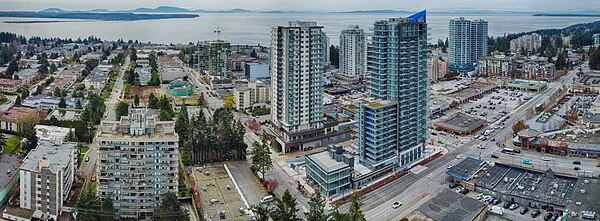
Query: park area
x: 218, y: 194
x: 12, y: 145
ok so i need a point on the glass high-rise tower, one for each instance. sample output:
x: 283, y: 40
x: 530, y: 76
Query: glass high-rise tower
x: 393, y: 122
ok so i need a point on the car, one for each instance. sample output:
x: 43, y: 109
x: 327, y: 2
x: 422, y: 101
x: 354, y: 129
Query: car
x: 577, y: 168
x: 396, y: 205
x: 480, y: 196
x: 87, y: 159
x: 486, y: 197
x: 535, y: 213
x: 527, y: 162
x: 546, y: 158
x: 266, y: 199
x: 480, y: 146
x: 524, y: 210
x: 507, y: 204
x: 453, y: 185
x: 273, y: 208
x: 450, y: 165
x: 548, y: 216
x: 458, y: 156
x: 577, y: 162
x: 94, y: 179
x: 494, y: 156
x: 497, y: 201
x: 493, y: 139
x: 513, y: 206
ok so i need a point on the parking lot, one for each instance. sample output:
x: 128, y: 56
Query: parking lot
x: 492, y: 107
x: 218, y: 194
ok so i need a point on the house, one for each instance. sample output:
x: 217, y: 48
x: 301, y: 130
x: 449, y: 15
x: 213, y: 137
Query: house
x: 8, y: 119
x: 51, y: 102
x: 27, y: 76
x: 9, y: 85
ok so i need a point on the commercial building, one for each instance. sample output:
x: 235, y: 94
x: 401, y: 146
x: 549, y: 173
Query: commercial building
x: 252, y: 95
x: 353, y: 52
x: 467, y: 42
x: 138, y: 161
x: 399, y: 88
x: 254, y: 71
x: 52, y: 134
x: 297, y: 62
x: 528, y: 188
x: 330, y: 171
x: 448, y: 205
x: 529, y: 43
x: 217, y: 58
x: 497, y: 66
x: 596, y: 39
x: 460, y: 123
x: 46, y: 177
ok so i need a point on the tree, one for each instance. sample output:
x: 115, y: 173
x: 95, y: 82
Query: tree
x: 78, y: 104
x: 337, y: 215
x: 182, y: 124
x: 57, y: 92
x: 316, y: 210
x: 355, y: 213
x: 152, y: 101
x: 87, y: 205
x: 286, y: 208
x: 62, y: 103
x: 201, y: 100
x: 271, y: 185
x: 170, y: 209
x: 261, y: 155
x: 25, y: 124
x: 228, y: 102
x: 18, y: 101
x: 25, y: 93
x: 122, y: 109
x: 107, y: 208
x: 136, y: 100
x: 261, y: 213
x: 518, y: 126
x: 166, y: 110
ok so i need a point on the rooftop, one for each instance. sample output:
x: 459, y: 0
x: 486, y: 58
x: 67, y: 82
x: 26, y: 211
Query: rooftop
x: 585, y: 197
x: 466, y: 168
x: 461, y: 122
x: 451, y: 206
x: 58, y: 156
x: 13, y: 113
x: 546, y: 187
x: 9, y: 82
x: 377, y: 103
x: 326, y: 162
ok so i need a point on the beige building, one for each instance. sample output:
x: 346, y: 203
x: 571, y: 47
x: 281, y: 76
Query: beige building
x: 252, y: 95
x: 138, y: 161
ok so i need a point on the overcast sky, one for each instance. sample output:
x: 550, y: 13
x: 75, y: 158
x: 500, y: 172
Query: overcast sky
x: 314, y: 5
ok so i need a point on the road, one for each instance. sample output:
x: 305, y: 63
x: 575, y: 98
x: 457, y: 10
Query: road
x: 87, y: 169
x: 412, y: 190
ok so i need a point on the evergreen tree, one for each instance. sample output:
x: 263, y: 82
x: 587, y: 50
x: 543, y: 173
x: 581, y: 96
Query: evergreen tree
x: 62, y: 103
x: 286, y: 208
x: 108, y: 209
x: 261, y: 213
x: 136, y: 100
x: 337, y: 215
x: 152, y: 101
x: 87, y: 205
x: 18, y: 101
x: 170, y: 209
x: 201, y: 100
x: 355, y: 213
x: 261, y: 155
x: 316, y: 210
x: 181, y: 124
x: 25, y: 93
x: 122, y: 109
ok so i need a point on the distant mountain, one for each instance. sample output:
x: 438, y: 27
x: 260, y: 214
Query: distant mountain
x: 105, y: 16
x: 383, y: 11
x: 476, y: 12
x: 567, y: 15
x: 169, y: 9
x: 98, y: 10
x: 235, y: 10
x: 53, y: 10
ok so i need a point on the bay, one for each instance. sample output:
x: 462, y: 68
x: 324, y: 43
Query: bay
x: 255, y: 28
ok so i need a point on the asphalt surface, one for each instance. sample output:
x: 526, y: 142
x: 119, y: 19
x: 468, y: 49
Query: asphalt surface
x: 413, y: 189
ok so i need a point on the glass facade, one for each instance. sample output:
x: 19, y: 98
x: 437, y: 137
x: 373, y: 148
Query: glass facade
x: 328, y: 182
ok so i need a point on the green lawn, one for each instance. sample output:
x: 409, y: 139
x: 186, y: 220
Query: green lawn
x: 3, y: 101
x: 84, y: 150
x: 12, y: 145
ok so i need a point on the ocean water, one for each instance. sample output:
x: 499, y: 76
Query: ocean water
x: 255, y: 28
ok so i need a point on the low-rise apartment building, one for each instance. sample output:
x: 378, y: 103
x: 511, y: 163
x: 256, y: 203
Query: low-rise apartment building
x: 251, y: 96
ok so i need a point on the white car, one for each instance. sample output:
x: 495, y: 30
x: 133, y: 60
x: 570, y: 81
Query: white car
x: 450, y: 166
x: 396, y: 205
x: 458, y: 156
x: 546, y: 158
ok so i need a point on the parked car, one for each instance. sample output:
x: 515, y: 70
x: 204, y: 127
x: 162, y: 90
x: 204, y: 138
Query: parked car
x: 524, y: 210
x: 577, y: 168
x: 87, y: 159
x: 497, y: 201
x: 535, y: 213
x: 577, y: 162
x: 527, y: 162
x: 513, y: 206
x: 494, y: 156
x: 546, y: 158
x: 450, y: 166
x: 266, y: 199
x: 548, y: 216
x: 453, y: 185
x: 396, y: 205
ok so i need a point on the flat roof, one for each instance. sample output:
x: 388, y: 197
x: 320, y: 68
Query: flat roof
x: 588, y: 199
x: 58, y: 155
x: 324, y: 161
x: 461, y: 122
x: 466, y: 168
x: 546, y: 187
x: 450, y: 206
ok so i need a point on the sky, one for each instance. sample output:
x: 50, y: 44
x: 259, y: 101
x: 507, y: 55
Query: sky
x: 314, y: 5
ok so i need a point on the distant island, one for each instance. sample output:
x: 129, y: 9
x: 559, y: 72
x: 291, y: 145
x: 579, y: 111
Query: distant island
x: 108, y: 16
x: 568, y: 15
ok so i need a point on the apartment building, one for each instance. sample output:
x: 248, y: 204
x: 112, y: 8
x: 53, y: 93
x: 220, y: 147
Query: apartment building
x: 528, y: 42
x: 215, y: 58
x: 138, y: 161
x: 353, y: 52
x: 467, y: 42
x: 252, y: 95
x: 46, y: 177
